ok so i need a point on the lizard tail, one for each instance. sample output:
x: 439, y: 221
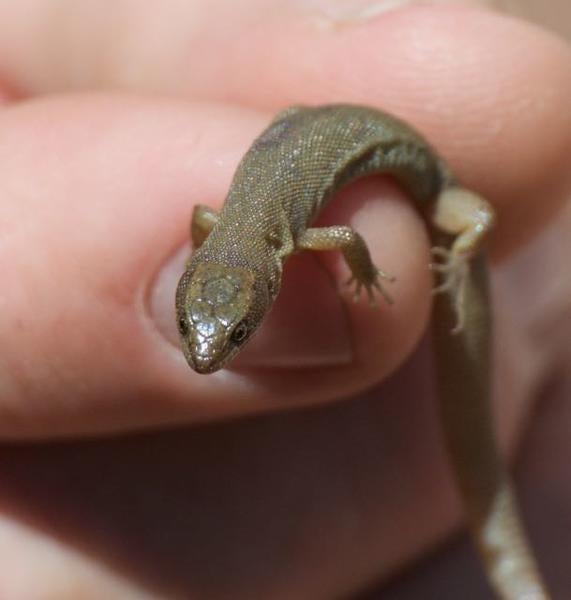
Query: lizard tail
x: 463, y: 374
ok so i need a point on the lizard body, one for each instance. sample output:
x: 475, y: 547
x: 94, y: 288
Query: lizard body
x: 292, y: 169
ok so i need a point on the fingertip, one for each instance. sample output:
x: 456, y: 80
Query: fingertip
x: 317, y: 321
x: 489, y: 91
x: 396, y: 234
x: 88, y: 240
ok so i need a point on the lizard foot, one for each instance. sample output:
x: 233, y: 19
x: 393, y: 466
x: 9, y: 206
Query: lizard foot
x: 454, y: 269
x: 372, y: 285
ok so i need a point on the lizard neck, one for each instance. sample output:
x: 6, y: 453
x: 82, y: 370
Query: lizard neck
x: 258, y: 256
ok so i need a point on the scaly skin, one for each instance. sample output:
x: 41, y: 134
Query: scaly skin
x: 233, y: 277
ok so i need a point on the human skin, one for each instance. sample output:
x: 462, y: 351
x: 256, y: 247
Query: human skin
x: 96, y: 193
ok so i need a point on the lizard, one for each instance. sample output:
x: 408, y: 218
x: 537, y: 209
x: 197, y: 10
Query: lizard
x: 290, y: 172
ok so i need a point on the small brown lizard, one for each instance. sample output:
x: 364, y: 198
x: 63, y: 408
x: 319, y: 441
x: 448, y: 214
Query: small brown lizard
x: 292, y: 169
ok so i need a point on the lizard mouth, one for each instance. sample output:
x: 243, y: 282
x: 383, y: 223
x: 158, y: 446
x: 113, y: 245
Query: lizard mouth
x: 204, y: 364
x: 204, y: 357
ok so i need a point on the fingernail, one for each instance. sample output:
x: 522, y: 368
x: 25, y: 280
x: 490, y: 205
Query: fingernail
x: 344, y: 12
x: 307, y: 327
x: 341, y: 12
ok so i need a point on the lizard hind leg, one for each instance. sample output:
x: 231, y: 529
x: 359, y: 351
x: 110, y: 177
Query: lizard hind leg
x: 463, y: 365
x: 454, y: 270
x: 469, y: 218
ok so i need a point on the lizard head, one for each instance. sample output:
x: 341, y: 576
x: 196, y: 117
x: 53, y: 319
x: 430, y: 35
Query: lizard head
x: 218, y: 309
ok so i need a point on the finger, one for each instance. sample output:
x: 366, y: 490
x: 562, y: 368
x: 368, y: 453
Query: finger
x: 545, y: 492
x: 97, y: 195
x: 491, y: 92
x: 333, y: 499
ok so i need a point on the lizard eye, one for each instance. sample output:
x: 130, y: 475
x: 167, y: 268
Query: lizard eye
x: 183, y: 326
x: 240, y: 332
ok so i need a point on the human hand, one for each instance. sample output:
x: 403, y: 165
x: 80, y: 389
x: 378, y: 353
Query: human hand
x: 97, y: 192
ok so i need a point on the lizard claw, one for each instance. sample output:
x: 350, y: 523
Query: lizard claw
x: 454, y: 269
x: 372, y: 286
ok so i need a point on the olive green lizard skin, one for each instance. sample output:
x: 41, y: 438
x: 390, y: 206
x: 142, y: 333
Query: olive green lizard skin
x: 290, y: 172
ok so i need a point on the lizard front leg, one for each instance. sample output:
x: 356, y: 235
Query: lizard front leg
x: 356, y: 253
x: 201, y: 224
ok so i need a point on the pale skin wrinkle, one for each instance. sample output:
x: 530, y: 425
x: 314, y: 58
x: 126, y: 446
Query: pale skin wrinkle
x: 290, y: 172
